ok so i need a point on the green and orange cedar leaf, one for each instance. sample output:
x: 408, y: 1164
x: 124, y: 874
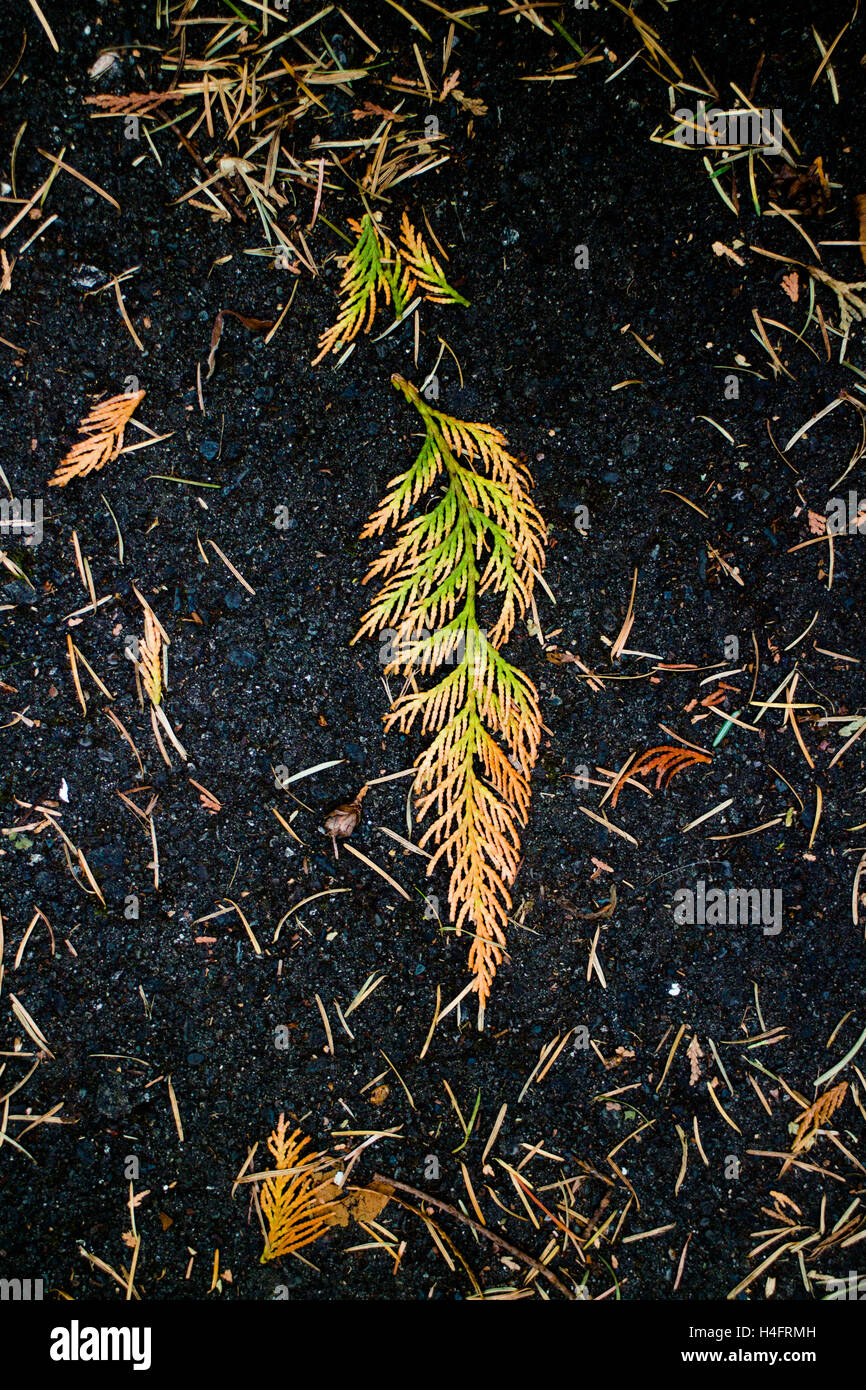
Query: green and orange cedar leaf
x: 102, y: 438
x: 480, y: 535
x: 295, y: 1201
x: 426, y: 269
x: 375, y: 271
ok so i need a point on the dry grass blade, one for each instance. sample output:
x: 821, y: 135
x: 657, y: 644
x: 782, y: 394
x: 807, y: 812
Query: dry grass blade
x: 292, y: 1201
x: 666, y: 761
x: 102, y: 440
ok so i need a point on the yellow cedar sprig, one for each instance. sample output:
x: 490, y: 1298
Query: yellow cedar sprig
x: 150, y: 659
x: 482, y: 534
x: 102, y: 440
x: 292, y: 1202
x: 151, y: 652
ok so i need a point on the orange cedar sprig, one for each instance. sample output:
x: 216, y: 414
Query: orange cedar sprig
x: 481, y: 535
x: 294, y: 1200
x: 425, y: 267
x: 665, y: 761
x: 102, y: 438
x: 816, y: 1116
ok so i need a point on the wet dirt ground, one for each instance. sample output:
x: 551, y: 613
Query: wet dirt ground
x: 265, y: 680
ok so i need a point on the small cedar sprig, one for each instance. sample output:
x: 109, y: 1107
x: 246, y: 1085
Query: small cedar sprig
x: 150, y: 653
x: 293, y: 1201
x: 141, y: 103
x: 102, y: 438
x: 481, y: 535
x: 815, y: 1116
x: 426, y: 269
x: 666, y: 761
x: 371, y: 268
x: 375, y: 268
x: 150, y: 658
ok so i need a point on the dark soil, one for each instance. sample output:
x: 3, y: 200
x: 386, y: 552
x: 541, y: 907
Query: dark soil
x: 258, y: 682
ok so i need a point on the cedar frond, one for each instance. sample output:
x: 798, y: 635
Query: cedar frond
x: 140, y: 103
x: 371, y: 268
x: 293, y: 1203
x: 482, y: 534
x: 374, y: 268
x: 427, y: 270
x: 102, y: 440
x: 150, y: 658
x: 665, y: 761
x: 817, y: 1115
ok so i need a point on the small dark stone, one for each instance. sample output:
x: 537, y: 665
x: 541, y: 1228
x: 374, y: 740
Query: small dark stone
x: 19, y: 592
x: 242, y: 658
x: 112, y: 1098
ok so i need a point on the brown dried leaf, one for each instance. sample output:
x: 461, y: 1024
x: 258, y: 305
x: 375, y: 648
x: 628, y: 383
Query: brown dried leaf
x: 361, y: 1204
x: 860, y: 204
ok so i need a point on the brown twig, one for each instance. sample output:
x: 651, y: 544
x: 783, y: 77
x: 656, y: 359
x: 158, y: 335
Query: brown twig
x: 232, y: 203
x: 499, y: 1241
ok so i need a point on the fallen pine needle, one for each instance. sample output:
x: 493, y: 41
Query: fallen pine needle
x: 721, y: 1109
x: 370, y: 865
x: 61, y: 164
x: 45, y: 25
x: 174, y: 1109
x: 250, y: 933
x: 328, y: 1034
x: 714, y: 811
x: 229, y: 566
x: 608, y: 825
